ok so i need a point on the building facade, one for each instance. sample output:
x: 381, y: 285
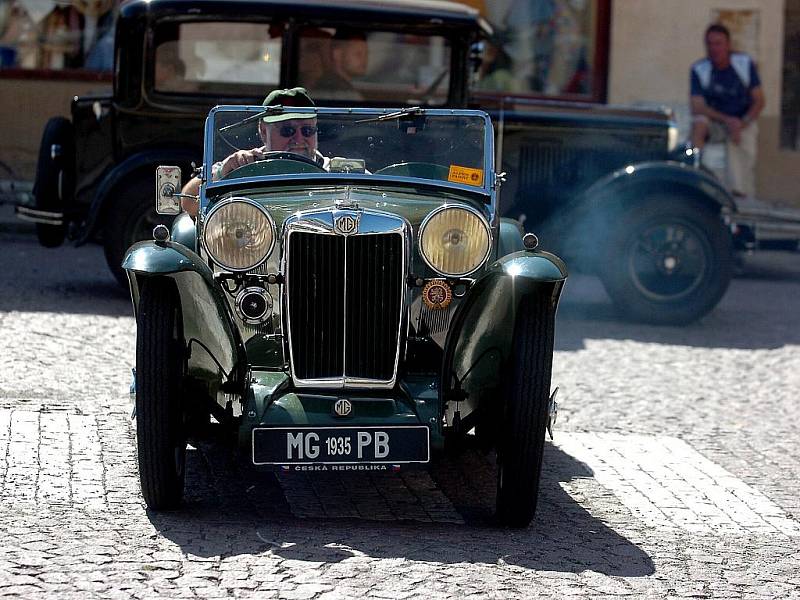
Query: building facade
x: 653, y: 43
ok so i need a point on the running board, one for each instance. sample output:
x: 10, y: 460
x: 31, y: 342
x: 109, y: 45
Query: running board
x: 45, y: 217
x: 766, y: 222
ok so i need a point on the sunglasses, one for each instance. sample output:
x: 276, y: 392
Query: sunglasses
x: 288, y: 131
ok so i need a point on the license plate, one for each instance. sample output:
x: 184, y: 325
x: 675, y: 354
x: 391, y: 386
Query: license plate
x: 341, y: 445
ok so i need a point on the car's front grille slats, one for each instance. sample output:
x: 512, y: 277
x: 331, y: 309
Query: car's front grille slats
x: 317, y: 270
x: 345, y: 296
x: 374, y: 293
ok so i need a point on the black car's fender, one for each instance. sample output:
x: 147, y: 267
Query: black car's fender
x: 479, y: 339
x: 663, y: 176
x: 141, y: 164
x: 577, y: 231
x: 215, y: 345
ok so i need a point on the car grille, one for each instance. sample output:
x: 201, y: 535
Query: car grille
x: 344, y: 298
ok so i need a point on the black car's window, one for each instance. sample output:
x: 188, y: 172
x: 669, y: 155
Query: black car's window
x: 374, y: 66
x: 221, y: 58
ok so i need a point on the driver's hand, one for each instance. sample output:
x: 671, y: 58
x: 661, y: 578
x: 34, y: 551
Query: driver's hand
x: 240, y: 159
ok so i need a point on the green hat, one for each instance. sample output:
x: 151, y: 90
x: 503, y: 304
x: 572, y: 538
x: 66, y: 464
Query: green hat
x: 290, y: 97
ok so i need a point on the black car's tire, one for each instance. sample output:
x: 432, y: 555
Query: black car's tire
x: 160, y: 415
x: 54, y: 184
x: 130, y: 218
x: 521, y: 447
x: 668, y: 261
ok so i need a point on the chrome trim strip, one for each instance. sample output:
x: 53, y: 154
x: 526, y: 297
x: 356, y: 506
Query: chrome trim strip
x: 444, y: 207
x: 370, y: 222
x: 34, y: 215
x: 222, y: 205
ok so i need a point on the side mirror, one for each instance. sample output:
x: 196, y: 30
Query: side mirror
x: 168, y: 185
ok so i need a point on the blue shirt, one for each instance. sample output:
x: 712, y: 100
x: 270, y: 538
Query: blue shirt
x: 724, y: 89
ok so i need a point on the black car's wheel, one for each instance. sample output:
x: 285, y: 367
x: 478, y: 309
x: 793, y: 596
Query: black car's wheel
x: 668, y: 261
x: 160, y: 415
x: 130, y: 218
x: 55, y: 178
x: 521, y: 446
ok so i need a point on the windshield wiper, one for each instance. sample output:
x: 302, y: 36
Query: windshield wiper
x: 414, y: 110
x: 269, y: 110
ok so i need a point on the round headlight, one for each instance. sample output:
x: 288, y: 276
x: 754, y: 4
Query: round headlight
x: 239, y: 234
x: 454, y: 241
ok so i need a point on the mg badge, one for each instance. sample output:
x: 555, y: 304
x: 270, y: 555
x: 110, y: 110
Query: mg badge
x: 343, y: 408
x: 346, y: 224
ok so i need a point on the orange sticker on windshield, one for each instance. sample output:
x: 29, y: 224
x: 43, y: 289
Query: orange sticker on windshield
x: 465, y: 175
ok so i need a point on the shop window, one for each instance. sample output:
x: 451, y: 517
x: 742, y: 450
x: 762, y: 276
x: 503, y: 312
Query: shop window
x: 554, y: 48
x: 790, y: 97
x: 219, y: 58
x: 57, y: 36
x: 375, y: 66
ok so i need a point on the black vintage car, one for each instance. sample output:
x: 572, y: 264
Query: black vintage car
x: 604, y: 187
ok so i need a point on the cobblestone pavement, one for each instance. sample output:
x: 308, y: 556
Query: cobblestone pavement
x: 674, y: 472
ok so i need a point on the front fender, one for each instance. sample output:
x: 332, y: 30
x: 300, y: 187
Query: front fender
x: 580, y: 232
x: 216, y: 347
x: 480, y: 338
x: 184, y: 231
x: 660, y: 176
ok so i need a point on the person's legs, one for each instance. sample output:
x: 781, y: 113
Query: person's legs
x: 699, y: 131
x: 741, y: 162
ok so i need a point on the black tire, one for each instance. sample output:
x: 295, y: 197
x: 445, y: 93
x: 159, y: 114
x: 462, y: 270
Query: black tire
x: 521, y: 445
x: 160, y: 414
x: 54, y: 185
x: 668, y: 261
x: 130, y: 218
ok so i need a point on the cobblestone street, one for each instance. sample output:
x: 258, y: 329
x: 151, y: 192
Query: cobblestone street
x: 675, y: 469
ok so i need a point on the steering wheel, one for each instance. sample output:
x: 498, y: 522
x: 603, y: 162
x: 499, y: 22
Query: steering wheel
x: 258, y: 167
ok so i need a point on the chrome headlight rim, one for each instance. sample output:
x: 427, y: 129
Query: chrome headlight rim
x: 222, y: 204
x: 469, y: 209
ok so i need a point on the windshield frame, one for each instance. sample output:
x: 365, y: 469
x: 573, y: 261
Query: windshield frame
x: 487, y: 189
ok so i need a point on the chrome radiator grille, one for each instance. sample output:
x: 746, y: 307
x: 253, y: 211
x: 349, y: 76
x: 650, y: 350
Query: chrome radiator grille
x: 345, y: 296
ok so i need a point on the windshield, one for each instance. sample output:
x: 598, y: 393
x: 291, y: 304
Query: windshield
x: 441, y: 145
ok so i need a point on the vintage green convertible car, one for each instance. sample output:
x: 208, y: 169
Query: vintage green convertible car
x: 358, y: 309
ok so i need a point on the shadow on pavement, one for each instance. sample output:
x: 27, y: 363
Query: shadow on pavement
x: 243, y: 513
x: 756, y: 313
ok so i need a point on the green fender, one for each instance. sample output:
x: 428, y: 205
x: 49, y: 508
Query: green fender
x: 184, y: 231
x: 216, y: 347
x: 480, y: 336
x: 509, y: 237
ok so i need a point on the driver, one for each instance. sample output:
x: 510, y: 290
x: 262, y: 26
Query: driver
x: 285, y: 132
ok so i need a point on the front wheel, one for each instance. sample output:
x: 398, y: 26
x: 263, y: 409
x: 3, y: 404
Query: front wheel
x: 521, y: 447
x: 160, y: 415
x: 668, y: 261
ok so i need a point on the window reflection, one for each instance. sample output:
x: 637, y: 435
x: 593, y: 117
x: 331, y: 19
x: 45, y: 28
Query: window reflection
x: 541, y: 46
x: 375, y: 66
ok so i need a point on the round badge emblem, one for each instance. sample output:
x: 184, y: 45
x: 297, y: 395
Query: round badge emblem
x: 343, y: 407
x: 437, y: 294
